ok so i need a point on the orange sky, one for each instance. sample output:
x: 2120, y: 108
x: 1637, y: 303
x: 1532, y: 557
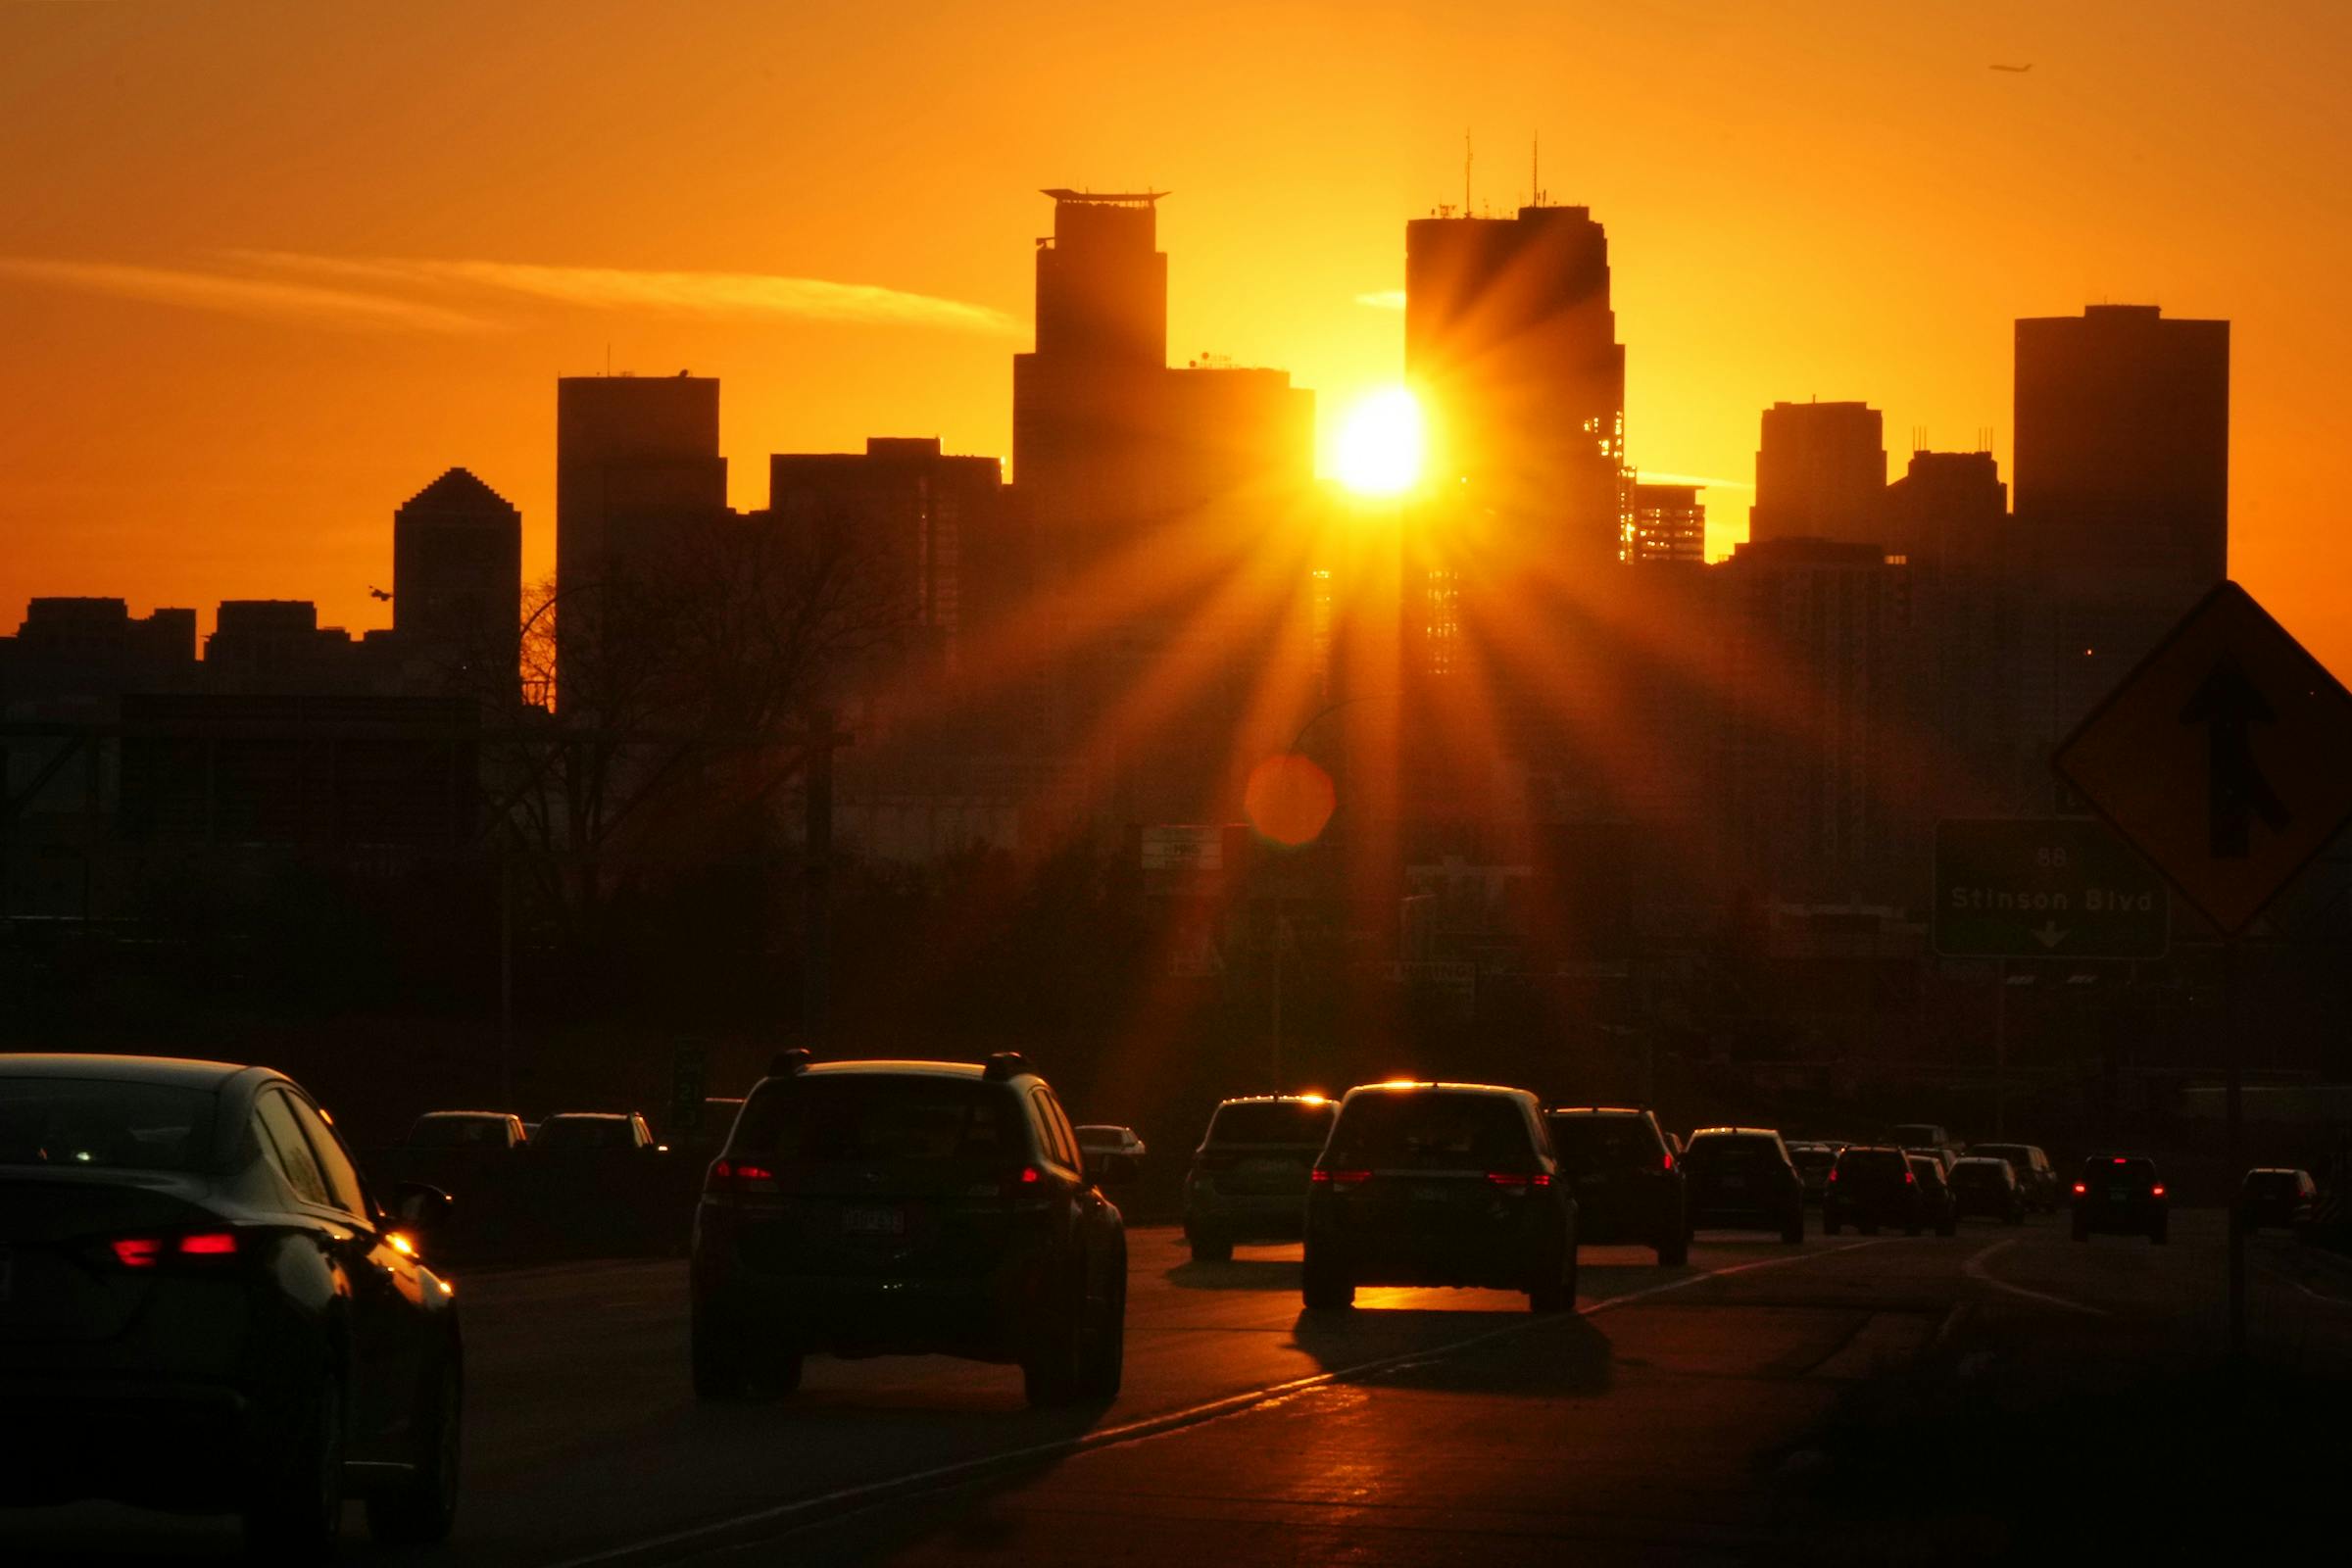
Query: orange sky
x: 267, y: 268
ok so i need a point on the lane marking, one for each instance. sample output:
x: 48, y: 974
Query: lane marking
x: 845, y: 1498
x: 1976, y: 1270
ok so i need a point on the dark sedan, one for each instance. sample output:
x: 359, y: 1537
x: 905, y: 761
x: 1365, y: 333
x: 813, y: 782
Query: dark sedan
x: 202, y: 1307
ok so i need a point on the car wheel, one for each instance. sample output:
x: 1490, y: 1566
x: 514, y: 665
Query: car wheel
x: 1949, y: 1227
x: 1106, y: 1347
x: 1830, y: 1224
x: 1867, y: 1228
x: 2081, y: 1232
x: 1674, y: 1248
x: 2159, y: 1233
x: 1793, y: 1228
x: 421, y: 1509
x: 721, y: 1368
x: 1324, y: 1288
x: 2016, y: 1216
x: 1052, y: 1372
x: 1911, y: 1229
x: 772, y: 1377
x: 1209, y: 1249
x: 296, y: 1515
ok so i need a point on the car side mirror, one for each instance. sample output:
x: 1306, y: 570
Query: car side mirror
x: 421, y: 1208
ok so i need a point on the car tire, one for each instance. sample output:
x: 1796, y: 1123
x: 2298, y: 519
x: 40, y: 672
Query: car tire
x: 1830, y: 1224
x: 1949, y: 1227
x: 1209, y: 1249
x: 2081, y: 1231
x: 296, y: 1515
x: 1867, y: 1228
x: 1104, y: 1366
x: 1323, y: 1287
x: 422, y: 1508
x: 2016, y: 1216
x: 1793, y: 1228
x: 776, y: 1376
x: 722, y: 1370
x: 1674, y: 1248
x: 1052, y: 1372
x: 2160, y: 1232
x: 1911, y: 1229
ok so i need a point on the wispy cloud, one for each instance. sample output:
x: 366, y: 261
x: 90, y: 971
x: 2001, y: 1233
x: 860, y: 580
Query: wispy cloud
x: 269, y: 298
x: 1387, y: 299
x: 736, y: 296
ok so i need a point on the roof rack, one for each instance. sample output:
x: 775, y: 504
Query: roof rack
x: 786, y: 1063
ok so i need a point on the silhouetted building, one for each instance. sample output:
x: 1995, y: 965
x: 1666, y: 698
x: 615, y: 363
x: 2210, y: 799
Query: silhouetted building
x: 2123, y: 486
x: 637, y: 466
x: 1670, y: 524
x: 923, y: 515
x: 1820, y: 473
x: 1948, y: 510
x: 95, y: 650
x: 1818, y: 667
x: 1511, y: 345
x: 457, y: 585
x: 276, y: 647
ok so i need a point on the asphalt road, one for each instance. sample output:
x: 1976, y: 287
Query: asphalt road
x: 1670, y: 1420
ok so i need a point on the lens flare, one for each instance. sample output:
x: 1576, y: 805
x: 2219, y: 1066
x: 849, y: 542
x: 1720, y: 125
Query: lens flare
x: 1379, y: 446
x: 1289, y: 798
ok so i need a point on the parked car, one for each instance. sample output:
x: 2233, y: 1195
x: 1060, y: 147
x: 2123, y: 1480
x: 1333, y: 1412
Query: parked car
x: 1626, y: 1177
x: 592, y: 1132
x: 468, y: 1129
x: 1743, y: 1176
x: 1248, y: 1178
x: 204, y: 1310
x: 1814, y: 1161
x: 1104, y: 1146
x: 1921, y: 1135
x: 2036, y: 1178
x: 2121, y: 1193
x: 1941, y: 1154
x: 905, y: 1208
x: 1987, y: 1185
x: 1872, y: 1184
x: 1440, y: 1184
x: 2275, y: 1194
x: 1935, y: 1198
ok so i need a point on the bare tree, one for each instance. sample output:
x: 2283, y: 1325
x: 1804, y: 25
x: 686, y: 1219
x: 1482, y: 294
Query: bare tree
x: 691, y: 675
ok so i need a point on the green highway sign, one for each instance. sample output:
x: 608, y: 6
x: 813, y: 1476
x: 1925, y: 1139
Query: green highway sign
x: 2059, y: 887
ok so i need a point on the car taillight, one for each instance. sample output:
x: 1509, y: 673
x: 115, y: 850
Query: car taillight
x: 1028, y: 1176
x: 2119, y: 1159
x: 1832, y: 1174
x: 1519, y: 1182
x: 2156, y: 1191
x: 1669, y: 1166
x: 1910, y: 1179
x: 2081, y: 1189
x: 1339, y: 1178
x: 151, y: 1252
x: 731, y: 1176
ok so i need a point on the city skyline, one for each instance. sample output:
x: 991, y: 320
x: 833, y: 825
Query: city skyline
x: 287, y: 502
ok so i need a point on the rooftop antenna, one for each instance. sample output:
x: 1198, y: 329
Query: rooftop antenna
x: 608, y: 359
x: 1465, y: 172
x: 1534, y: 168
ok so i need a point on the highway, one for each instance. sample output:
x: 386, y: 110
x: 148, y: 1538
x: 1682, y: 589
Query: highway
x: 1679, y: 1416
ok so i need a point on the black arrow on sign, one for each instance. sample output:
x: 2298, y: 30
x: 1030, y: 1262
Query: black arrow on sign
x: 2228, y: 705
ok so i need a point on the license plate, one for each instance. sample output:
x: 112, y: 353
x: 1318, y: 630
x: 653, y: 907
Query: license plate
x: 2114, y: 1197
x: 873, y: 1222
x: 1734, y: 1183
x: 1426, y: 1193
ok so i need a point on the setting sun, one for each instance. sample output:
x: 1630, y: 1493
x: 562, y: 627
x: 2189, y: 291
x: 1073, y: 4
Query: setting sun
x: 1379, y: 446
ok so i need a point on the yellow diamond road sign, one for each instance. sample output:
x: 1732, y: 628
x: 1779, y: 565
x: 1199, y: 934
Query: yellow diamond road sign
x: 2226, y: 758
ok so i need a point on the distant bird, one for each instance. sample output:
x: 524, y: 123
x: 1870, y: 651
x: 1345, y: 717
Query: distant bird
x: 374, y: 592
x: 2019, y: 69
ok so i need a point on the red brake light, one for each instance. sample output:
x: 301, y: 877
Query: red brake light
x: 1340, y: 1178
x: 2156, y: 1191
x: 1910, y: 1179
x: 2080, y: 1188
x: 1517, y: 1182
x: 1833, y: 1173
x: 1030, y: 1176
x: 209, y: 1244
x: 2119, y: 1159
x: 736, y: 1175
x: 1669, y: 1159
x: 136, y: 1251
x: 1320, y: 1175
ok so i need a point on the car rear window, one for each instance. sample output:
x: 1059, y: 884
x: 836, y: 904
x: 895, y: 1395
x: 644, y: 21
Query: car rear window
x: 1813, y: 1156
x: 1432, y: 1130
x: 1988, y: 1172
x: 1605, y: 1143
x: 1926, y: 1167
x: 93, y: 1123
x: 585, y: 1132
x: 885, y: 1118
x: 2281, y: 1182
x: 1271, y: 1122
x: 1874, y: 1162
x: 1732, y: 1153
x: 459, y: 1132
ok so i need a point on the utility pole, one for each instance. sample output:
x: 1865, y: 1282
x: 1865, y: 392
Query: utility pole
x: 816, y: 890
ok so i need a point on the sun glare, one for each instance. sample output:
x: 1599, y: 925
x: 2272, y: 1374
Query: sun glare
x: 1379, y: 446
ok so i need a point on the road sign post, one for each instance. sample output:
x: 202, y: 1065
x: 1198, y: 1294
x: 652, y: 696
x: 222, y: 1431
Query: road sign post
x: 2226, y: 756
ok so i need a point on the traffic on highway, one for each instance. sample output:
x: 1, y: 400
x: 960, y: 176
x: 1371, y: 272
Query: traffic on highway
x: 905, y: 1296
